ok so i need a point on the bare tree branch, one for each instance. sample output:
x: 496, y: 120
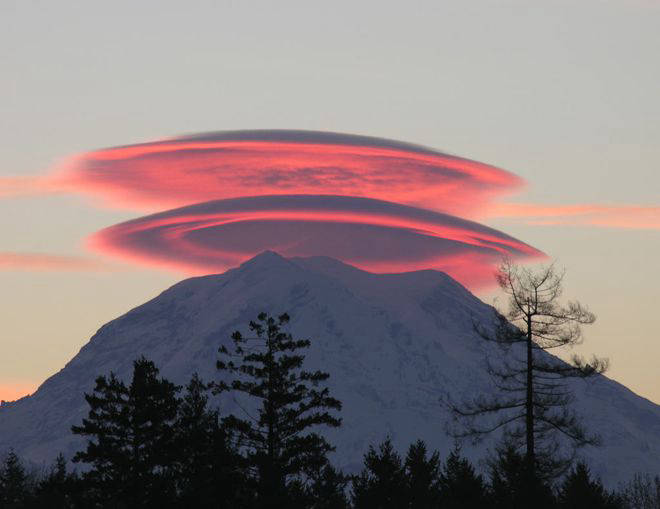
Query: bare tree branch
x: 528, y: 378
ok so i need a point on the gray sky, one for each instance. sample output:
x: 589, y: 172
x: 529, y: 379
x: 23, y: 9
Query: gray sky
x: 564, y: 94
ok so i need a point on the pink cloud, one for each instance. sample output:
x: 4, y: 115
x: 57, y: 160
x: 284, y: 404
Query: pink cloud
x: 605, y: 216
x: 371, y: 234
x: 186, y: 170
x: 379, y: 204
x: 232, y: 164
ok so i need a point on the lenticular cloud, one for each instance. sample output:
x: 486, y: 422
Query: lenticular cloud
x: 192, y: 169
x: 381, y: 205
x: 371, y: 234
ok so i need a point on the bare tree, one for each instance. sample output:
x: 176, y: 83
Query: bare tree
x: 532, y: 397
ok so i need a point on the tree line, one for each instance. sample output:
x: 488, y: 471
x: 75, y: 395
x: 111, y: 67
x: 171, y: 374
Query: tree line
x: 206, y: 471
x: 152, y: 443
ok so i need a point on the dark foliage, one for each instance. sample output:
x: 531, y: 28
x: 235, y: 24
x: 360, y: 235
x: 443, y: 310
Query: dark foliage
x: 460, y: 486
x: 423, y: 476
x: 382, y: 483
x: 130, y: 434
x: 59, y: 488
x: 421, y: 481
x: 207, y: 469
x: 149, y: 448
x: 280, y: 445
x: 15, y: 486
x: 513, y: 486
x: 579, y: 490
x: 328, y: 490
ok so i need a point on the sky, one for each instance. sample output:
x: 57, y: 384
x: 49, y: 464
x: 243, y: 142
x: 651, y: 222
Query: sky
x: 556, y: 100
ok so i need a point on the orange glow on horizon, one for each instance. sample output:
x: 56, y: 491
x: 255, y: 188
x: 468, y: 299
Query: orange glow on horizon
x: 11, y: 391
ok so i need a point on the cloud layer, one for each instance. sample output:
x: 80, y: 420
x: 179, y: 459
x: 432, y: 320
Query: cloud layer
x: 605, y: 216
x: 25, y: 186
x: 41, y: 261
x: 379, y: 204
x: 372, y: 234
x: 192, y: 169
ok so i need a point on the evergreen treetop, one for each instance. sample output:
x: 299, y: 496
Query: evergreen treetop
x: 280, y: 442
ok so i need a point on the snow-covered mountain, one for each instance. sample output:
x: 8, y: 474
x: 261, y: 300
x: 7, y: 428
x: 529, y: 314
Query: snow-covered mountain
x: 392, y: 343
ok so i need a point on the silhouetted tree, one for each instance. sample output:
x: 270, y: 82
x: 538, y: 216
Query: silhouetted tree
x: 641, y: 492
x: 423, y: 477
x: 14, y: 483
x: 328, y: 489
x: 579, y: 490
x: 382, y: 484
x: 279, y: 443
x: 511, y: 486
x: 533, y: 403
x: 130, y: 443
x: 58, y: 488
x: 207, y: 468
x: 460, y: 486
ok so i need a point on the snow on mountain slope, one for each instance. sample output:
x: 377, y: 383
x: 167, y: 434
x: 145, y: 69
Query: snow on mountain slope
x: 393, y: 343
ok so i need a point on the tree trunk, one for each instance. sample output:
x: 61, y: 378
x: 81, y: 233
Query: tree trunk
x: 270, y: 417
x: 529, y: 404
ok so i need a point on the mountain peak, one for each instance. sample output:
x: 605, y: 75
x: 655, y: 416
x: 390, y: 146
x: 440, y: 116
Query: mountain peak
x: 265, y: 259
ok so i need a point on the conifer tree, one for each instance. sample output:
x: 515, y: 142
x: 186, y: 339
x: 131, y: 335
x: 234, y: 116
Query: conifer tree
x: 207, y: 471
x: 57, y: 488
x: 460, y: 486
x: 279, y: 442
x: 328, y: 489
x: 130, y: 438
x: 533, y: 398
x: 382, y: 483
x: 195, y: 432
x: 423, y: 476
x: 511, y: 486
x: 14, y: 483
x: 579, y: 490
